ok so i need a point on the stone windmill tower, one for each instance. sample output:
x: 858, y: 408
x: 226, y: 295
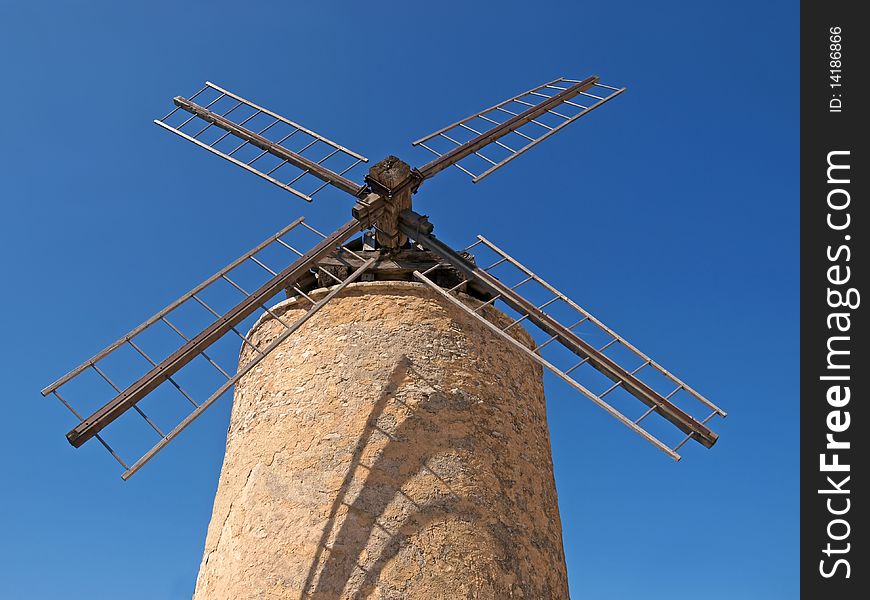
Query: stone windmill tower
x: 388, y: 437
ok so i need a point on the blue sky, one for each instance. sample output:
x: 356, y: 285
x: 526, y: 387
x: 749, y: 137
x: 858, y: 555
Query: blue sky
x: 671, y: 213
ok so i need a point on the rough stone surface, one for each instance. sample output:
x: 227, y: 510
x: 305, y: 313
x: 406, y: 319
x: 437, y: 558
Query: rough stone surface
x: 392, y: 448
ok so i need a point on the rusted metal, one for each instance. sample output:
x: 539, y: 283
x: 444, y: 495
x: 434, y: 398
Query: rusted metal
x: 172, y: 364
x: 420, y: 223
x: 569, y: 339
x: 277, y: 150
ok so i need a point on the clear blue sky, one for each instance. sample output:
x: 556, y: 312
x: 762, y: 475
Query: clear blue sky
x: 682, y: 194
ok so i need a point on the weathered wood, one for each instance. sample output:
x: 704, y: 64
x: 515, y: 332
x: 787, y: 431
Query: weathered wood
x: 401, y: 261
x: 499, y: 131
x: 397, y: 265
x: 570, y: 340
x: 367, y: 209
x: 391, y: 173
x: 257, y: 140
x: 125, y: 400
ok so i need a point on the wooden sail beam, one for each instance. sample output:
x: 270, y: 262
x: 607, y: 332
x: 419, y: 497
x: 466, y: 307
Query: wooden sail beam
x: 127, y: 398
x: 600, y: 361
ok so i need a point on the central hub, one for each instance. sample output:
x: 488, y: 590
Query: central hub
x: 391, y: 174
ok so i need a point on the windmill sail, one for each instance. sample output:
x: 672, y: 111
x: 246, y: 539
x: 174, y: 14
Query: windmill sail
x: 510, y: 128
x: 167, y: 370
x: 605, y: 357
x: 258, y: 140
x: 108, y: 392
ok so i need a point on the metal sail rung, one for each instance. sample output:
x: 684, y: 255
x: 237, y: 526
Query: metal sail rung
x: 616, y: 338
x: 99, y: 438
x: 554, y: 369
x: 512, y: 127
x: 598, y: 357
x: 189, y: 348
x: 222, y: 325
x: 281, y: 151
x: 162, y: 315
x: 289, y: 329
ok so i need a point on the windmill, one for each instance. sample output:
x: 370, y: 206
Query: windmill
x: 396, y: 243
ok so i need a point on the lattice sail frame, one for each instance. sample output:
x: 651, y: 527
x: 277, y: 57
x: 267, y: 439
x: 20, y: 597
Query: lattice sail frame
x: 559, y: 102
x: 167, y: 372
x: 256, y: 152
x: 532, y: 117
x: 608, y: 340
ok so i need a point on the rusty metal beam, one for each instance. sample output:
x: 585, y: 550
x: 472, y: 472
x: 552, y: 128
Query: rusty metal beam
x: 499, y: 131
x: 319, y: 171
x: 125, y: 400
x: 603, y: 363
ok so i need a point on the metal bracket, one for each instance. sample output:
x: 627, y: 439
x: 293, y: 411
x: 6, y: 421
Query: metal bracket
x: 419, y: 223
x: 413, y: 181
x: 378, y: 188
